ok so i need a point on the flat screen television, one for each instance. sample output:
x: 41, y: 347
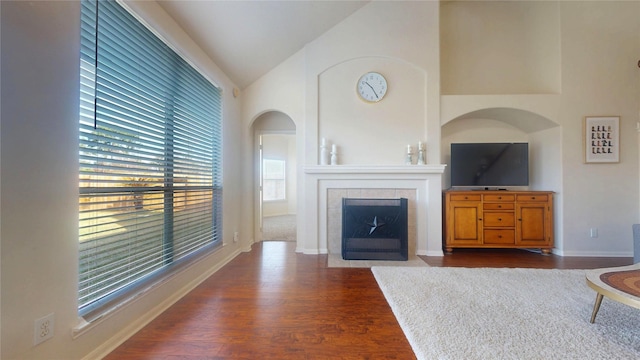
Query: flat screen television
x: 489, y: 164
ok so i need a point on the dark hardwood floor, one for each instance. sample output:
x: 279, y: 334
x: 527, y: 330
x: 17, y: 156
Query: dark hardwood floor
x: 272, y: 303
x: 513, y: 258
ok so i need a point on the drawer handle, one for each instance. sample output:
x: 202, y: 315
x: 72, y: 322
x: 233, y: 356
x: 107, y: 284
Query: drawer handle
x: 499, y: 219
x: 499, y: 197
x: 499, y: 236
x: 499, y: 206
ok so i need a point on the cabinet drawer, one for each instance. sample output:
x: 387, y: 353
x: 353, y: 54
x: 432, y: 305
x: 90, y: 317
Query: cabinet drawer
x: 465, y: 197
x: 498, y: 206
x: 498, y: 219
x: 501, y: 197
x: 498, y: 236
x: 533, y: 197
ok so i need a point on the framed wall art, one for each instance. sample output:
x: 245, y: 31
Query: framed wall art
x: 602, y: 139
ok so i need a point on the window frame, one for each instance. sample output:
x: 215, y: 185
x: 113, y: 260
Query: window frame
x: 96, y: 308
x: 283, y: 179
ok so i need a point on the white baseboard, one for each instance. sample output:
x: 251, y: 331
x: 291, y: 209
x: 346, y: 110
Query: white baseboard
x: 593, y: 253
x: 108, y: 346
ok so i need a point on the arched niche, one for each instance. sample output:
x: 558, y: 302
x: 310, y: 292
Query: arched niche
x: 372, y: 133
x: 524, y: 120
x: 501, y: 124
x: 274, y: 121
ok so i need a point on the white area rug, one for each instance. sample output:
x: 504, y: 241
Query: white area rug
x: 461, y: 313
x: 336, y: 261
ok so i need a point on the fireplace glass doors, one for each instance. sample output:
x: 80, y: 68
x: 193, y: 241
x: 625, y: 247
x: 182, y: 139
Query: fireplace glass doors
x: 374, y: 229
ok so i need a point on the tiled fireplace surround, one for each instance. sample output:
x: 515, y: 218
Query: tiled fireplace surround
x: 326, y: 186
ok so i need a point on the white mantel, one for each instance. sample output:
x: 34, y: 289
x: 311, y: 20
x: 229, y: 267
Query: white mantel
x: 426, y: 180
x: 365, y: 171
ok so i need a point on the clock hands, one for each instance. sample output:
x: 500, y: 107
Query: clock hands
x: 372, y: 89
x: 368, y: 83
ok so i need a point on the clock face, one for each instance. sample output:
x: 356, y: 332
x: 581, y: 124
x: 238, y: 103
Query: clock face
x: 372, y: 87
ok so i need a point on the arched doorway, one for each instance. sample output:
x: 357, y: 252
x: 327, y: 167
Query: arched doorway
x: 275, y: 167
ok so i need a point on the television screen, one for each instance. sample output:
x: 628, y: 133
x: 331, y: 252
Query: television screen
x: 490, y: 164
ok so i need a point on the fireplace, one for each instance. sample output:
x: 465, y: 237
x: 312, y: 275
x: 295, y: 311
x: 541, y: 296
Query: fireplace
x: 320, y: 231
x: 374, y: 229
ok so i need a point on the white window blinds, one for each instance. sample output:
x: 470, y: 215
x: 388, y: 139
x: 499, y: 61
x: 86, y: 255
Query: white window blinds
x: 273, y: 180
x: 150, y: 155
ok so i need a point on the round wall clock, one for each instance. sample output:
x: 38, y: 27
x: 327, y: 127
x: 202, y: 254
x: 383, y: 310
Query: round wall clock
x: 372, y: 87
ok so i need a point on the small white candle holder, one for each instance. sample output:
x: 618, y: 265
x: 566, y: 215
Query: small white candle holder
x: 324, y: 153
x: 408, y: 160
x: 334, y: 154
x: 421, y: 160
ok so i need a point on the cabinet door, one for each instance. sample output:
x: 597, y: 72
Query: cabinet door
x: 532, y: 225
x: 464, y: 223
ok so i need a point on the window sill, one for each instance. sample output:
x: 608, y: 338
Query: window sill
x: 91, y: 319
x: 275, y: 201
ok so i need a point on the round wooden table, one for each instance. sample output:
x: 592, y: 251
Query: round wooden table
x: 620, y: 283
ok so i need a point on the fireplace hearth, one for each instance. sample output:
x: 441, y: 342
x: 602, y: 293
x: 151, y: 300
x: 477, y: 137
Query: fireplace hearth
x: 374, y: 229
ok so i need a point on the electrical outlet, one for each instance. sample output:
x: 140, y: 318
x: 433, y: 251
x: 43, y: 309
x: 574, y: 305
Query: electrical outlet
x: 236, y: 235
x: 593, y: 232
x: 43, y: 329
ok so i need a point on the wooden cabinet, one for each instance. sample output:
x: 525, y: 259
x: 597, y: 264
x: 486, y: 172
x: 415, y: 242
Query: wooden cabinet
x: 466, y: 229
x: 498, y: 219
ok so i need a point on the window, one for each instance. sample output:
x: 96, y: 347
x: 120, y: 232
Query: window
x: 150, y: 156
x: 273, y: 180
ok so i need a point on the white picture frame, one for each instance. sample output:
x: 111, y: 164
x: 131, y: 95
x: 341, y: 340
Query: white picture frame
x: 601, y: 136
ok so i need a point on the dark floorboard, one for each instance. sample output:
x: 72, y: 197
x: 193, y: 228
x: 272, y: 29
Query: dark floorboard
x: 272, y: 303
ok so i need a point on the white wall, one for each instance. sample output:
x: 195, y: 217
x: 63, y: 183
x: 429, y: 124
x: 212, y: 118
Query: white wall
x: 521, y: 70
x: 39, y: 172
x: 279, y: 91
x: 591, y: 70
x: 500, y: 47
x: 600, y: 49
x: 588, y: 69
x: 403, y: 45
x: 372, y: 133
x: 39, y: 179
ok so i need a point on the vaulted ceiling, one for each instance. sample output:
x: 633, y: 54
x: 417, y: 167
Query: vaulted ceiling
x: 247, y: 39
